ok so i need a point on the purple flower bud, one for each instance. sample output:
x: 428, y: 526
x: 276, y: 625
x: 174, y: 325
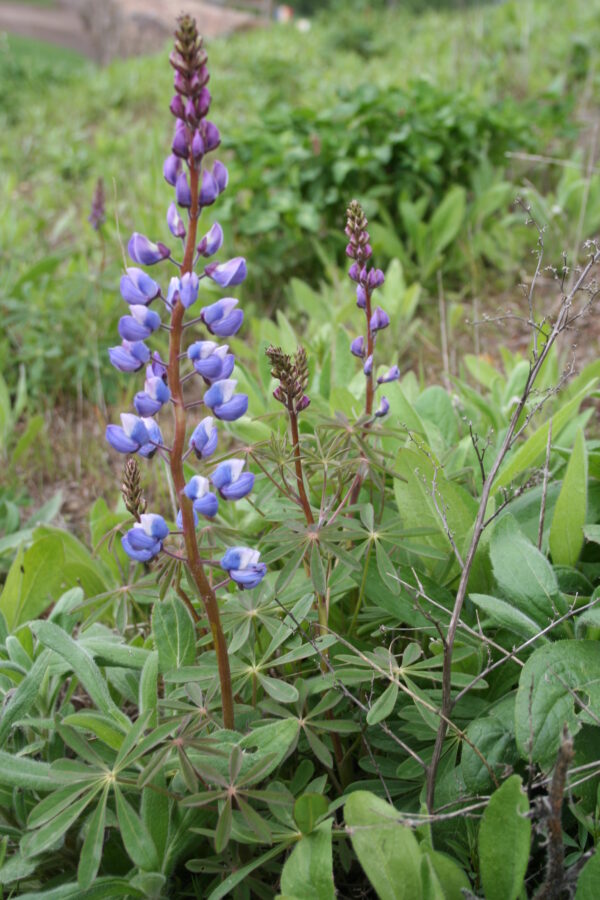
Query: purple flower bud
x: 392, y: 375
x: 211, y: 136
x: 171, y: 169
x: 361, y: 296
x: 367, y: 251
x: 227, y: 274
x: 357, y: 347
x: 221, y: 175
x: 243, y: 567
x: 130, y: 356
x: 354, y: 272
x: 155, y: 395
x: 209, y: 189
x: 203, y: 103
x: 190, y: 112
x: 303, y: 403
x: 177, y: 107
x: 197, y: 146
x: 379, y: 320
x: 222, y: 318
x: 205, y: 502
x: 129, y: 436
x: 204, y: 438
x: 211, y: 242
x: 139, y: 325
x: 157, y: 367
x: 375, y: 278
x: 175, y: 222
x: 144, y: 252
x: 188, y: 289
x: 181, y: 84
x: 138, y: 288
x: 222, y: 400
x: 173, y: 292
x: 383, y: 409
x: 231, y: 481
x: 154, y: 439
x: 351, y: 251
x: 181, y: 141
x: 368, y: 366
x: 210, y: 360
x: 183, y: 194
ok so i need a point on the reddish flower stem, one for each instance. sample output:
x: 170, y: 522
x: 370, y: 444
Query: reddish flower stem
x: 298, y: 466
x: 194, y: 564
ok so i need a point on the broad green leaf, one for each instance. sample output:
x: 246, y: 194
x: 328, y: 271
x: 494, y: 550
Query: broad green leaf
x: 504, y: 841
x: 507, y: 616
x: 428, y: 501
x: 524, y: 575
x: 552, y: 680
x: 494, y: 736
x: 566, y: 531
x: 83, y: 667
x: 589, y: 879
x: 91, y: 851
x: 308, y: 871
x: 174, y: 634
x: 136, y: 837
x: 272, y: 740
x: 387, y: 850
x: 55, y: 562
x: 307, y: 809
x: 384, y: 705
x: 431, y: 887
x: 435, y: 405
x: 24, y: 696
x: 451, y: 877
x: 532, y: 451
x: 278, y: 689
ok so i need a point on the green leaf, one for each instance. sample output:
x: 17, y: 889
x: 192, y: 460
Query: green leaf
x: 450, y: 875
x: 506, y: 616
x: 317, y: 572
x: 533, y: 451
x: 278, y: 689
x: 384, y: 705
x: 148, y: 696
x: 551, y: 681
x: 102, y: 727
x: 589, y: 879
x: 566, y: 531
x: 174, y: 634
x: 24, y: 695
x: 83, y: 667
x: 524, y: 575
x: 223, y: 829
x: 55, y: 562
x: 50, y: 833
x: 25, y: 773
x: 237, y: 877
x: 91, y: 851
x: 386, y: 569
x: 308, y: 871
x: 494, y: 737
x: 504, y: 841
x: 136, y: 837
x: 387, y: 850
x: 308, y: 809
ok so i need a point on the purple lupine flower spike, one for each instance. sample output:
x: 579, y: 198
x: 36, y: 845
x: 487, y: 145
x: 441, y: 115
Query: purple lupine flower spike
x: 144, y: 252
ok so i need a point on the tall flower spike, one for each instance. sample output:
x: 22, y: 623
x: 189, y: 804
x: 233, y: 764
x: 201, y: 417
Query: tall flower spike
x: 367, y: 281
x: 197, y: 184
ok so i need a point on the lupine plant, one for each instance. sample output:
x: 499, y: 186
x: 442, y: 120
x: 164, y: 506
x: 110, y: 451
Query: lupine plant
x: 197, y: 186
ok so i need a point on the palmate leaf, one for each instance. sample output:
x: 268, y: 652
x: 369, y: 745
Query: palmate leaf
x: 91, y: 851
x: 51, y: 832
